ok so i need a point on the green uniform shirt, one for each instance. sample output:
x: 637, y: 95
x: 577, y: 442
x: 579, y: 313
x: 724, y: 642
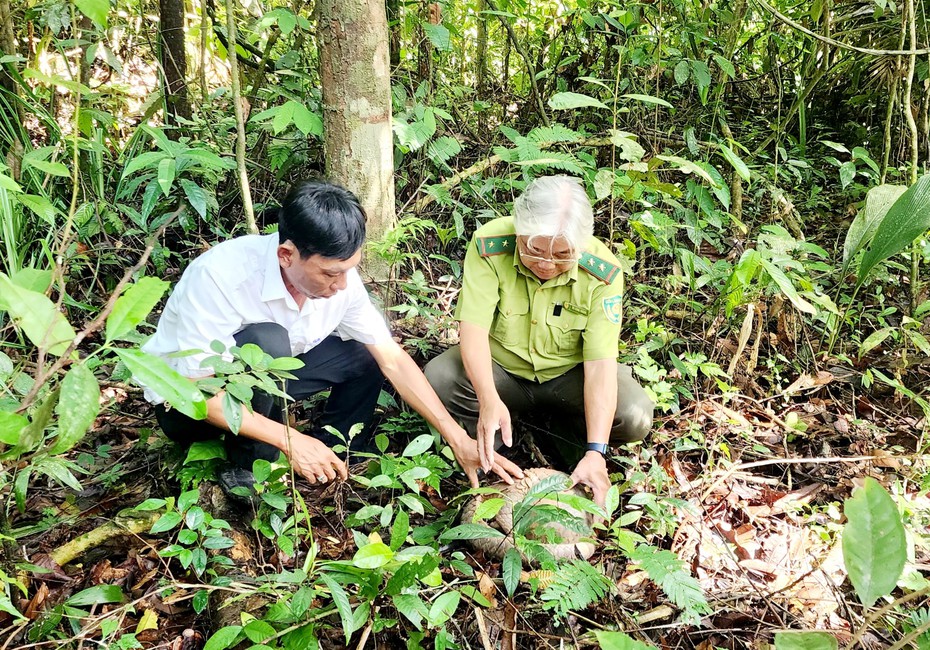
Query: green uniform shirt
x: 540, y: 330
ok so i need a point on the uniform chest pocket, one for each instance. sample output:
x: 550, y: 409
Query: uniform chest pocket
x: 565, y: 331
x: 511, y: 324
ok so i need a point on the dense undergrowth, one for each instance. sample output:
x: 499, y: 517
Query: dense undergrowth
x: 774, y: 239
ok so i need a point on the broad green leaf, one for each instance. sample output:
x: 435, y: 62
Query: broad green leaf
x: 805, y: 641
x: 78, y: 407
x: 444, y: 607
x: 59, y: 470
x: 874, y: 543
x: 51, y: 168
x: 196, y: 196
x: 341, y: 600
x: 6, y: 364
x: 647, y: 99
x: 166, y: 522
x: 874, y: 339
x: 565, y: 101
x: 284, y: 117
x: 488, y: 509
x: 400, y: 529
x: 689, y: 167
x: 877, y: 203
x: 307, y: 122
x: 836, y: 146
x: 31, y: 436
x: 419, y: 445
x: 726, y: 66
x: 223, y: 638
x: 847, y: 173
x: 738, y: 165
x: 375, y: 555
x: 286, y: 363
x: 619, y: 641
x: 38, y: 280
x: 8, y: 184
x: 20, y: 485
x: 411, y: 606
x: 205, y: 450
x: 6, y: 605
x: 603, y: 183
x: 149, y: 159
x: 701, y: 74
x: 630, y: 149
x: 41, y: 206
x: 470, y: 531
x: 134, y: 305
x: 785, y: 285
x: 178, y: 390
x: 98, y: 595
x: 907, y: 219
x: 11, y: 425
x: 96, y: 10
x: 438, y: 35
x: 37, y: 317
x: 511, y: 566
x: 232, y: 412
x: 166, y: 171
x: 682, y: 72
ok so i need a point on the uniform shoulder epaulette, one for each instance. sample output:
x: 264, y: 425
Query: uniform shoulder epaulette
x: 488, y: 246
x: 601, y: 269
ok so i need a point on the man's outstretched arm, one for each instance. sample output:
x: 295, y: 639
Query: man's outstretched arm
x: 413, y: 387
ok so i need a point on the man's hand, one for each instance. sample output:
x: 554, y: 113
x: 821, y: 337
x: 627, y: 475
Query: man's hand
x: 592, y: 471
x: 466, y: 453
x: 491, y: 417
x: 314, y: 460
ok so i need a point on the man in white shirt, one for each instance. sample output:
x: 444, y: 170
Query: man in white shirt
x: 297, y: 293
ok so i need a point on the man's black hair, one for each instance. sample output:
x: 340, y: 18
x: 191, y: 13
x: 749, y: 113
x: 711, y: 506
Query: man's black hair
x: 320, y: 218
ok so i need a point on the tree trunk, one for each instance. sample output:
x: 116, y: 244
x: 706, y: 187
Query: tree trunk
x: 357, y: 110
x: 7, y: 46
x: 173, y: 58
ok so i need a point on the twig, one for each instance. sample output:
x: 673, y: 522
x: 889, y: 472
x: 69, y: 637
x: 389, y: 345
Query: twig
x: 826, y: 39
x: 482, y: 629
x: 799, y: 461
x: 530, y: 68
x: 43, y: 374
x: 867, y: 622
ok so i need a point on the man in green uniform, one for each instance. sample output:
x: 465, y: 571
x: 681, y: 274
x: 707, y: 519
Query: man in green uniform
x: 539, y: 317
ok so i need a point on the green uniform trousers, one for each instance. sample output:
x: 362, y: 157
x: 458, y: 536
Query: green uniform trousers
x: 561, y: 399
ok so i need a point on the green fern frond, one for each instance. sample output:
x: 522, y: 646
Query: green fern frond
x: 576, y: 586
x: 668, y: 571
x: 552, y: 134
x: 543, y: 135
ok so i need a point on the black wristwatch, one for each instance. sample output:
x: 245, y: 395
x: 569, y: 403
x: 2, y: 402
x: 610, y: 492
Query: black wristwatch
x: 599, y: 447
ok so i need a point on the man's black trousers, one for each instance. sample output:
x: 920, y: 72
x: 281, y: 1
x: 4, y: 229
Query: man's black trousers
x: 344, y: 367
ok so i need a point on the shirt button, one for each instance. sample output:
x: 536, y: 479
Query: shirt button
x: 533, y: 321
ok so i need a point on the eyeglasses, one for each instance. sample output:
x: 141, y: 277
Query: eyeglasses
x: 557, y: 261
x: 562, y: 260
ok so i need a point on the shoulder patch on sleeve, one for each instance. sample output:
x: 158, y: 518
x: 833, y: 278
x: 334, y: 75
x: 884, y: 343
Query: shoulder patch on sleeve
x: 488, y: 246
x: 601, y: 269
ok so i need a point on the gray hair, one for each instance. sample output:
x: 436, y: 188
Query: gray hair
x: 555, y: 206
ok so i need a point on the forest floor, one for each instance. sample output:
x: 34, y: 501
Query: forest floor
x: 749, y: 496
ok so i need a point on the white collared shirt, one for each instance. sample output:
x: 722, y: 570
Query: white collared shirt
x: 238, y: 283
